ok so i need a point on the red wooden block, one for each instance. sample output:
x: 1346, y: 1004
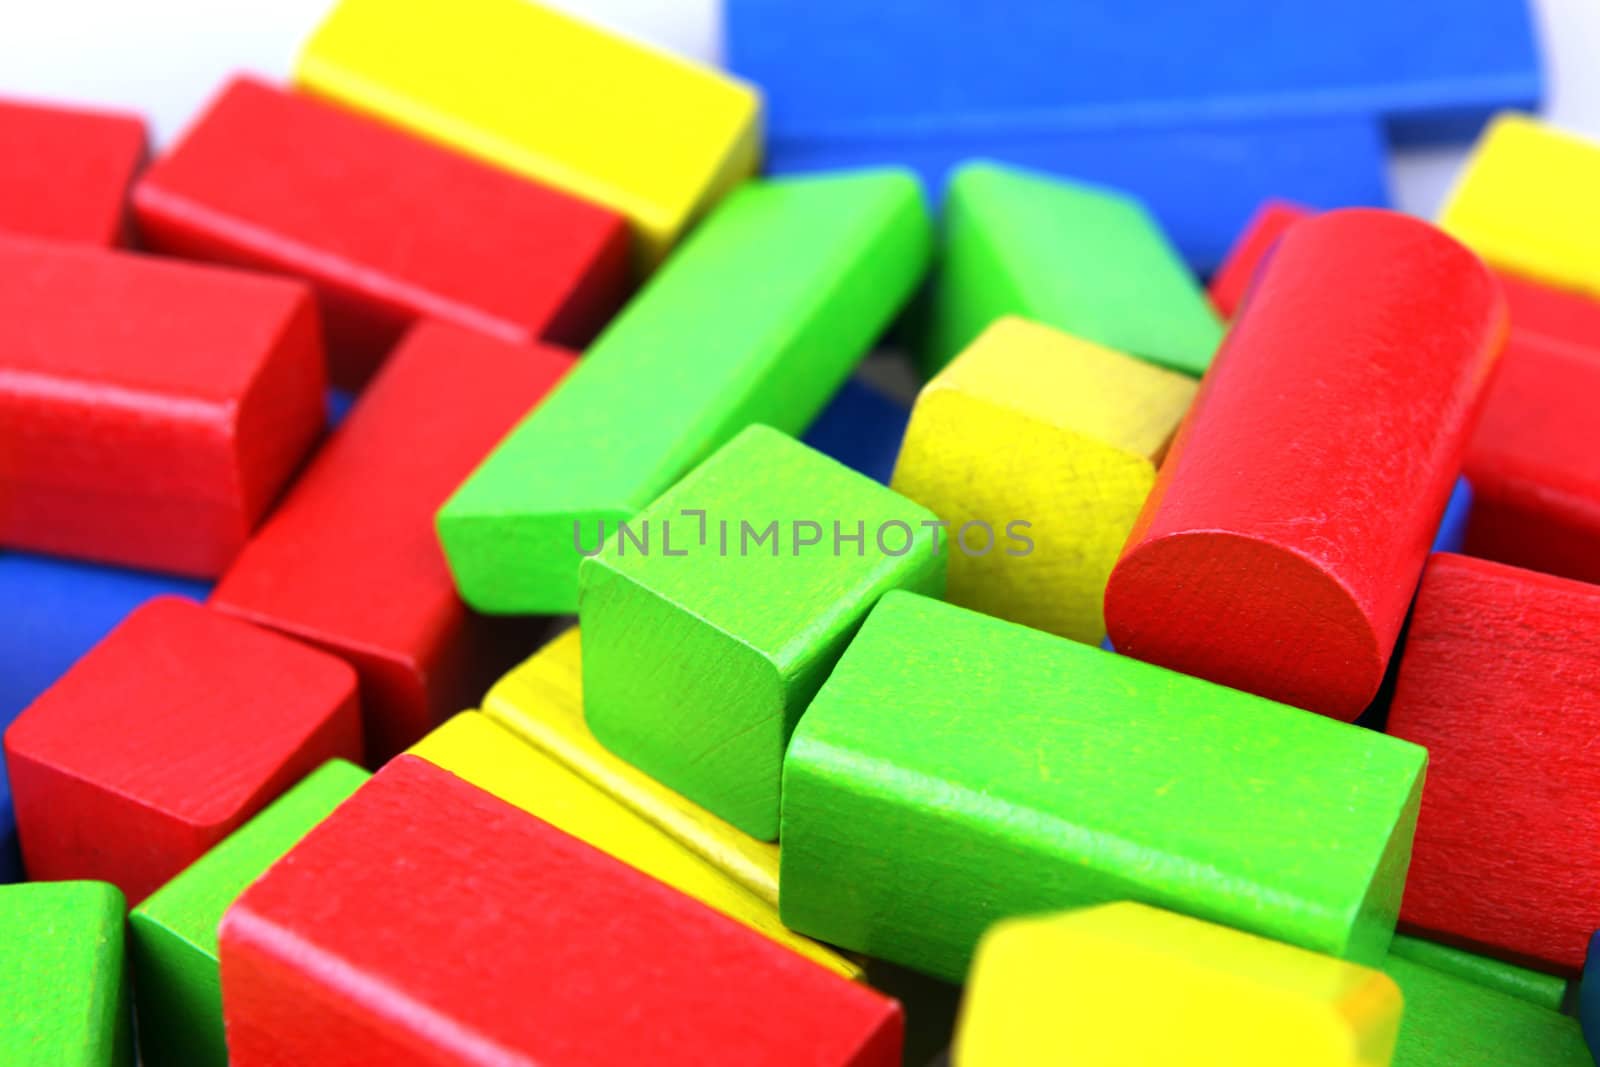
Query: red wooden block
x: 65, y: 172
x: 170, y: 733
x: 1500, y: 679
x: 1533, y: 460
x: 150, y: 411
x: 427, y: 922
x: 1279, y: 548
x: 1261, y: 233
x: 1554, y: 313
x: 349, y: 560
x: 388, y: 227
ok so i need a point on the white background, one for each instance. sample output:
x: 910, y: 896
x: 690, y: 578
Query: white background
x: 164, y: 57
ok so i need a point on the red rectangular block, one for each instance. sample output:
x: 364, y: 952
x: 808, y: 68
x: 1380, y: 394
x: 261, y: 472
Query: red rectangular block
x: 1261, y: 233
x: 427, y: 922
x: 1500, y: 679
x: 150, y: 411
x: 169, y: 734
x: 65, y: 171
x: 349, y: 560
x: 1554, y: 313
x: 388, y: 227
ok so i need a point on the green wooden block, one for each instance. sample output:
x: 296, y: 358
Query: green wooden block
x: 174, y: 931
x: 956, y: 769
x: 1455, y: 1022
x: 758, y: 317
x: 696, y: 667
x: 1083, y: 258
x: 1536, y: 987
x: 63, y: 986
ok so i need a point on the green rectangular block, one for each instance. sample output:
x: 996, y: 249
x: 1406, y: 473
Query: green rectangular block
x: 64, y: 998
x: 1454, y: 1022
x: 703, y: 646
x: 758, y: 317
x: 1546, y: 990
x: 174, y: 931
x: 1085, y: 259
x: 956, y: 769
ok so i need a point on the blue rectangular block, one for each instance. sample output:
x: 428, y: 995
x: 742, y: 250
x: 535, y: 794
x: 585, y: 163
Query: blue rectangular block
x: 1452, y: 535
x: 861, y: 428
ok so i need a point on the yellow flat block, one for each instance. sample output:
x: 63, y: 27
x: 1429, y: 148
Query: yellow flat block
x: 473, y: 747
x: 649, y: 135
x: 1127, y: 985
x: 1526, y: 202
x: 541, y: 701
x: 1038, y: 448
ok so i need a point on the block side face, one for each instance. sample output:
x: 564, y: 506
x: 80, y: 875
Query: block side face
x: 67, y: 171
x: 1449, y: 1020
x: 180, y: 997
x: 972, y: 286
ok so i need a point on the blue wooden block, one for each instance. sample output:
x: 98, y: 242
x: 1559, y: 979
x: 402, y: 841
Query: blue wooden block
x: 1452, y: 535
x: 1589, y: 997
x: 861, y: 428
x: 339, y: 403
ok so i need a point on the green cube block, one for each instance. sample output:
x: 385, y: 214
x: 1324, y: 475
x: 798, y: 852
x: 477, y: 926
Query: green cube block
x: 1083, y: 258
x: 64, y: 998
x: 758, y: 317
x: 957, y: 769
x: 1454, y: 1022
x: 701, y: 649
x: 174, y: 931
x: 1546, y: 990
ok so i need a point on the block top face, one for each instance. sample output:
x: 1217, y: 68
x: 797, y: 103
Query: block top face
x: 774, y: 596
x: 1451, y: 1020
x: 67, y: 170
x: 61, y: 971
x: 179, y: 694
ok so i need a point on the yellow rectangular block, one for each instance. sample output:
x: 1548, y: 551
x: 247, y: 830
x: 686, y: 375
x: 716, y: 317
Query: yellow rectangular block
x: 1526, y: 202
x: 1038, y: 448
x: 651, y: 136
x: 473, y: 747
x: 1128, y: 985
x: 541, y: 701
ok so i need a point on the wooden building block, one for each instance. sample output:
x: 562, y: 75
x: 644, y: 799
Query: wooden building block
x: 541, y: 701
x: 800, y: 277
x: 1260, y: 235
x: 150, y: 411
x: 1450, y: 1020
x: 67, y: 171
x: 281, y: 181
x: 64, y: 998
x: 1536, y: 987
x: 1082, y: 258
x: 956, y: 770
x: 653, y: 137
x: 1348, y: 411
x: 1127, y: 985
x: 475, y: 748
x: 861, y: 427
x: 165, y: 738
x: 349, y: 561
x: 507, y: 941
x: 1501, y: 682
x: 173, y: 934
x: 696, y: 669
x: 1050, y: 443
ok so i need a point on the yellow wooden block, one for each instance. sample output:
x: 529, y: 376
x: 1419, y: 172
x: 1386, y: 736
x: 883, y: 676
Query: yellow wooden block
x: 1128, y: 985
x: 473, y: 747
x: 541, y: 701
x: 651, y: 136
x: 1526, y: 202
x: 1047, y: 444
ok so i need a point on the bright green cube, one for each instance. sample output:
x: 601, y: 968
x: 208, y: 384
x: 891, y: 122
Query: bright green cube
x: 699, y: 656
x: 1451, y: 1021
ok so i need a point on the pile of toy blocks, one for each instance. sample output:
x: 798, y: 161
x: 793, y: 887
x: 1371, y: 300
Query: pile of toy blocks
x: 1111, y: 705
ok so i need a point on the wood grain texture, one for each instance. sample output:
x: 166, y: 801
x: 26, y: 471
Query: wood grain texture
x: 492, y: 758
x: 280, y: 181
x: 150, y: 411
x: 1256, y: 241
x: 799, y: 276
x: 349, y: 561
x: 541, y: 701
x: 1536, y: 987
x: 1350, y: 410
x: 64, y: 996
x: 651, y: 136
x: 165, y: 738
x: 1501, y: 682
x: 67, y: 171
x: 1085, y: 259
x: 429, y: 922
x: 173, y: 934
x: 700, y: 660
x: 957, y: 769
x: 1084, y: 987
x: 1033, y: 426
x: 1450, y: 1020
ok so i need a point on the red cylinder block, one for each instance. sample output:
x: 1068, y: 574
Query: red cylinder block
x: 1285, y: 534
